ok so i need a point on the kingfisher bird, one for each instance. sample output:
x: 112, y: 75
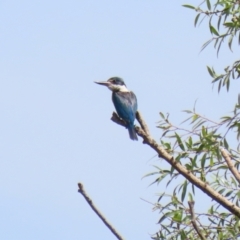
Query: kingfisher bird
x: 125, y: 103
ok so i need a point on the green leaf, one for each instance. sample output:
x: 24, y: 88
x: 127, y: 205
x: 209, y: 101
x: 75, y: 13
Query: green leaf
x: 233, y: 74
x: 221, y: 191
x: 162, y: 218
x: 216, y: 42
x: 166, y: 228
x: 238, y: 194
x: 208, y: 5
x: 204, y: 131
x: 229, y: 24
x: 211, y: 210
x: 184, y: 190
x: 200, y: 148
x: 198, y: 124
x: 211, y: 161
x: 190, y: 141
x: 230, y: 42
x: 203, y: 160
x: 228, y: 193
x: 164, y: 133
x: 234, y: 182
x: 187, y: 111
x: 225, y: 143
x: 213, y: 30
x: 193, y: 189
x: 163, y: 175
x: 180, y: 143
x: 188, y: 6
x: 219, y: 85
x: 219, y: 46
x: 196, y: 19
x: 206, y: 44
x: 223, y: 167
x: 203, y: 176
x: 162, y: 115
x: 213, y: 222
x: 178, y: 216
x: 168, y: 214
x: 186, y: 120
x: 210, y: 71
x: 183, y: 234
x: 194, y: 118
x: 227, y: 82
x: 217, y: 78
x: 160, y: 197
x: 219, y: 22
x: 194, y: 161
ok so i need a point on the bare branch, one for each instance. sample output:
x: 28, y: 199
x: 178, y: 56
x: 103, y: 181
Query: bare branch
x: 142, y: 123
x: 193, y: 219
x: 89, y: 201
x: 229, y: 162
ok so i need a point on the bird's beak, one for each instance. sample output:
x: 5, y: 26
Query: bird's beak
x: 103, y: 83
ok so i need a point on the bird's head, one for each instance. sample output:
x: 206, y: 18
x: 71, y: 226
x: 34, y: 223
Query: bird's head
x: 115, y: 84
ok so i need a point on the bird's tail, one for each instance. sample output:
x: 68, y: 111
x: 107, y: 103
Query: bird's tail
x: 132, y: 133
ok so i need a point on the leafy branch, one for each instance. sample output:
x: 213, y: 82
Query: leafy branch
x: 224, y: 23
x: 205, y: 144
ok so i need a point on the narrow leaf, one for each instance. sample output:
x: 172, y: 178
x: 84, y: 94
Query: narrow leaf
x: 193, y: 189
x: 184, y: 190
x: 188, y: 6
x: 230, y: 42
x: 196, y: 19
x: 217, y: 78
x: 229, y: 24
x: 160, y: 197
x: 219, y: 46
x: 203, y: 160
x: 180, y: 143
x: 213, y: 30
x: 219, y: 85
x: 219, y: 22
x: 206, y: 44
x: 228, y: 83
x: 216, y: 42
x: 162, y: 115
x: 210, y: 71
x: 208, y: 5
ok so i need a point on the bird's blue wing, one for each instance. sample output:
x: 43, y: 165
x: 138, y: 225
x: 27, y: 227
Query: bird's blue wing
x: 126, y: 105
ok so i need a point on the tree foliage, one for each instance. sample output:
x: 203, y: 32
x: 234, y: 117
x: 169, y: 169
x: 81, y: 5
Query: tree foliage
x: 224, y: 24
x: 203, y: 154
x: 206, y: 148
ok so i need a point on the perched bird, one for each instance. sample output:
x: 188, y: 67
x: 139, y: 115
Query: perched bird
x: 125, y: 102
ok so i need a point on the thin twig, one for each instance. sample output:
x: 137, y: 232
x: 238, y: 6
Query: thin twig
x: 89, y: 201
x: 229, y: 162
x: 193, y: 219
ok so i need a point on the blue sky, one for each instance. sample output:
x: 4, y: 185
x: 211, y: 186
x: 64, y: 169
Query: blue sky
x: 55, y: 122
